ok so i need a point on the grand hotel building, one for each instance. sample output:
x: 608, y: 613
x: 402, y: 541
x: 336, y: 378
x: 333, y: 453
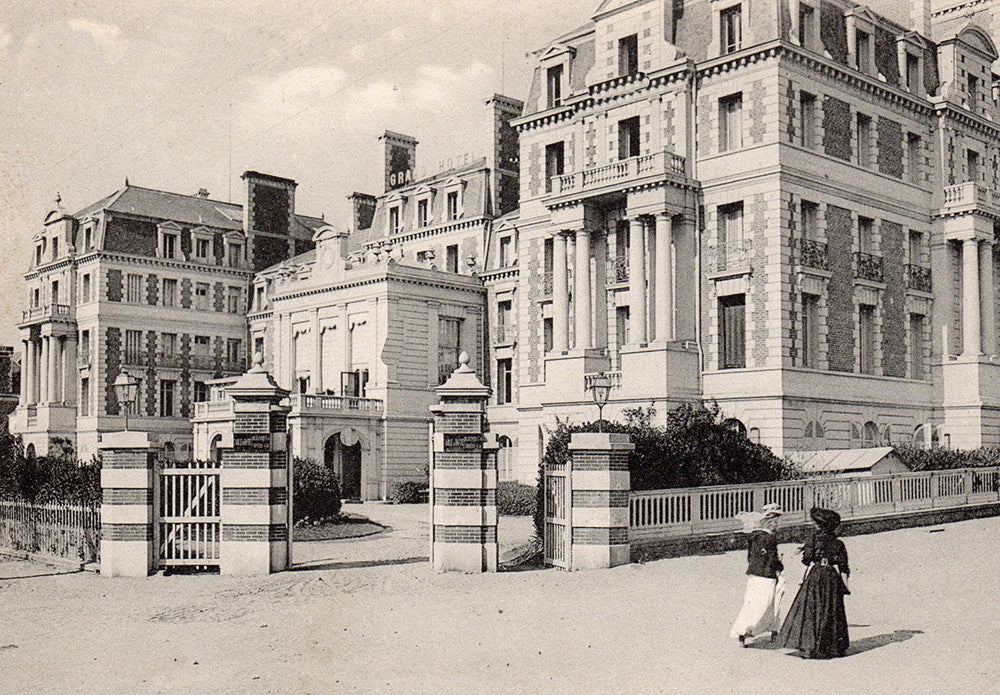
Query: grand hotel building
x: 784, y: 206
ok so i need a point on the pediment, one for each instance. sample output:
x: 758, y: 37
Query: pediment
x: 555, y: 52
x: 169, y: 225
x: 864, y: 14
x: 327, y: 232
x: 234, y: 235
x: 422, y: 190
x: 453, y: 182
x: 973, y: 36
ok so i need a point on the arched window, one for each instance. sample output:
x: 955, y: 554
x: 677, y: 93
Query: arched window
x: 213, y: 448
x: 869, y: 434
x: 168, y: 451
x: 735, y: 425
x: 505, y: 458
x: 29, y: 452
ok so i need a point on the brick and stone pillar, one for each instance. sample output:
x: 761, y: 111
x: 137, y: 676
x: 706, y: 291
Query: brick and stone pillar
x: 637, y: 280
x: 986, y: 293
x: 560, y: 295
x: 463, y: 477
x: 581, y: 294
x: 599, y: 488
x: 664, y: 279
x: 128, y: 520
x: 971, y: 328
x: 256, y: 479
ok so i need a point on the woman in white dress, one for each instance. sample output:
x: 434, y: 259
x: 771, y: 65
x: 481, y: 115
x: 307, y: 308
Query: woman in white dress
x: 759, y: 613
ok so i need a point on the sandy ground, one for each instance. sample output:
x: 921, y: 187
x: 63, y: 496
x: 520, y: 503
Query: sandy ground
x: 370, y: 616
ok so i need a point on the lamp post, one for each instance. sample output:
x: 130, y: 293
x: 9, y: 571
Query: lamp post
x: 600, y: 387
x: 125, y: 386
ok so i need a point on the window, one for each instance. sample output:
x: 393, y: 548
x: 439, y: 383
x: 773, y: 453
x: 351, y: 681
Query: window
x: 394, y: 220
x: 84, y: 397
x: 553, y: 163
x: 452, y: 204
x: 504, y: 328
x: 169, y: 292
x: 506, y: 251
x: 731, y: 231
x: 85, y: 288
x: 810, y: 331
x: 730, y: 29
x: 234, y: 300
x: 201, y: 296
x: 807, y: 31
x: 731, y: 122
x: 913, y: 157
x: 547, y: 336
x: 807, y: 120
x: 864, y: 135
x: 235, y: 255
x: 55, y: 248
x: 916, y: 248
x: 865, y: 228
x: 88, y: 238
x: 169, y: 343
x: 621, y: 326
x: 133, y: 347
x: 554, y: 86
x: 133, y: 288
x: 917, y: 369
x: 259, y: 298
x: 36, y: 297
x: 201, y: 345
x: 628, y: 138
x: 810, y: 216
x: 202, y: 248
x: 972, y: 164
x: 451, y: 258
x: 863, y: 50
x: 169, y: 245
x: 167, y: 391
x: 866, y: 331
x: 628, y: 55
x: 732, y: 332
x: 85, y: 346
x: 234, y: 350
x: 422, y: 212
x: 912, y: 72
x: 503, y: 381
x: 973, y: 91
x: 258, y: 345
x: 200, y: 392
x: 449, y: 346
x: 39, y: 252
x: 55, y: 291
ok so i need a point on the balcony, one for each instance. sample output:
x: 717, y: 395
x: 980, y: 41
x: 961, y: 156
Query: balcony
x: 868, y: 267
x: 504, y: 334
x: 621, y: 174
x: 918, y: 278
x: 617, y: 270
x: 615, y: 377
x: 969, y: 196
x: 341, y: 404
x: 47, y: 312
x: 732, y: 256
x: 812, y: 254
x: 222, y: 407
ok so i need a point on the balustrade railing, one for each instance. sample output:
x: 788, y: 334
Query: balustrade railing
x: 705, y: 510
x: 62, y: 311
x: 812, y: 254
x: 615, y: 377
x: 662, y: 162
x: 349, y: 403
x: 868, y: 267
x: 617, y: 270
x: 918, y: 278
x: 970, y: 193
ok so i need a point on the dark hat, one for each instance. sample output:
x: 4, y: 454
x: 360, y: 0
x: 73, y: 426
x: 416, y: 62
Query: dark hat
x: 826, y: 518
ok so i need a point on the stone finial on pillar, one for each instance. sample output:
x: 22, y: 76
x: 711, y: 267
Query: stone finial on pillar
x: 599, y: 489
x: 127, y: 516
x: 463, y: 477
x: 256, y: 509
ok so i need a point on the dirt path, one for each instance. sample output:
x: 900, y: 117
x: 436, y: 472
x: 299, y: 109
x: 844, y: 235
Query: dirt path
x: 923, y: 620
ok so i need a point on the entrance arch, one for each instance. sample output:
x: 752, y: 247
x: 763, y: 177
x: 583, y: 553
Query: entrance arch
x: 342, y: 453
x: 213, y: 450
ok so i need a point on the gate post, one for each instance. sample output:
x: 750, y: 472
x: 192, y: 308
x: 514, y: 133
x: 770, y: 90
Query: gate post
x: 599, y: 489
x: 128, y: 520
x: 464, y: 477
x: 256, y: 508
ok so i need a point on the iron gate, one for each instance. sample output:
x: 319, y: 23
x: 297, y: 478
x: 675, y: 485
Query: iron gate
x: 188, y: 508
x: 558, y: 522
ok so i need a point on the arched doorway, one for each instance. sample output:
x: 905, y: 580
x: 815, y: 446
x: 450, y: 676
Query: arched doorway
x: 29, y: 452
x: 213, y: 448
x: 168, y: 451
x: 342, y: 452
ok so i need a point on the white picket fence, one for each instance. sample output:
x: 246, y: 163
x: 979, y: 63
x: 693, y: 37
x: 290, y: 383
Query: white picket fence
x: 697, y: 511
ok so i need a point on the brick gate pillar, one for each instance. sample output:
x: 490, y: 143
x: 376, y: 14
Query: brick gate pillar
x: 599, y: 490
x: 256, y: 479
x: 463, y: 477
x: 128, y: 522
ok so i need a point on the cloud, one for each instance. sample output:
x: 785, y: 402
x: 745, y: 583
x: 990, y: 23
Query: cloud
x: 108, y: 37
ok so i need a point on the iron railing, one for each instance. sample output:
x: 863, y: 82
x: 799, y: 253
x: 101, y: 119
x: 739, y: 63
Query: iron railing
x: 918, y: 278
x: 812, y: 254
x: 868, y: 267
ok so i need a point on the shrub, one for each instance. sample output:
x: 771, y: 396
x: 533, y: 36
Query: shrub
x: 408, y: 492
x: 58, y: 478
x: 936, y: 459
x: 316, y: 492
x: 515, y: 499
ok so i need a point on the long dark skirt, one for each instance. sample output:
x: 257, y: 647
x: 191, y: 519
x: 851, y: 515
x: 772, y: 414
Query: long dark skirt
x: 817, y: 623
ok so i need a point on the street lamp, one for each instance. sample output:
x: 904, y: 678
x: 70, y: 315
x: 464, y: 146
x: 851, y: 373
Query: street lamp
x: 125, y: 386
x: 600, y: 387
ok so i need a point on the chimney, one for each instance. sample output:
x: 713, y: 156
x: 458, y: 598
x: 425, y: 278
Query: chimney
x: 268, y: 218
x: 400, y: 159
x: 203, y: 193
x: 920, y: 17
x: 362, y: 210
x: 504, y: 152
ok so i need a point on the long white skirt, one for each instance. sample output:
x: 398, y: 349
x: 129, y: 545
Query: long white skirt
x: 759, y: 613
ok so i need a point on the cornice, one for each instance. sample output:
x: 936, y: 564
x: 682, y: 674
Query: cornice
x: 173, y: 263
x: 432, y: 231
x: 958, y: 113
x: 379, y: 279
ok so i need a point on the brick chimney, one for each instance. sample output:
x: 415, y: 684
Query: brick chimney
x: 920, y: 17
x: 362, y: 210
x: 400, y: 159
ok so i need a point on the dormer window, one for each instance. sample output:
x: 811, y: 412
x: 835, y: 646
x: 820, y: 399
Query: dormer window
x: 88, y: 237
x: 452, y: 200
x: 422, y: 207
x: 40, y: 252
x: 973, y: 91
x: 913, y: 77
x: 807, y: 26
x: 730, y: 29
x: 55, y: 248
x: 506, y: 251
x: 554, y: 76
x: 862, y: 44
x: 628, y: 55
x: 202, y: 245
x: 169, y: 245
x: 235, y: 254
x: 394, y: 219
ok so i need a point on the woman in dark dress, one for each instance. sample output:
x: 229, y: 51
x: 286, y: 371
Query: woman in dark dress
x: 817, y: 623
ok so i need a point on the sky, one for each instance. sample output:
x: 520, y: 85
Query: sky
x: 187, y: 94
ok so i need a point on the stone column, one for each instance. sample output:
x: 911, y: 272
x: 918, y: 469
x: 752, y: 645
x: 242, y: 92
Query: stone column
x: 560, y: 295
x: 43, y: 375
x: 463, y: 477
x: 317, y: 371
x: 256, y: 509
x: 128, y: 520
x: 70, y: 370
x: 582, y: 293
x: 53, y: 369
x: 637, y: 281
x: 971, y: 333
x: 664, y: 279
x: 26, y: 347
x: 599, y: 499
x: 987, y: 292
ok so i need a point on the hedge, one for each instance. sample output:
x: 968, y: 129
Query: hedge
x: 316, y: 493
x: 515, y: 499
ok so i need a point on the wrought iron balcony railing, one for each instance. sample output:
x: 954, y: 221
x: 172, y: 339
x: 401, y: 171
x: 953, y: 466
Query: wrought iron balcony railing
x: 812, y: 254
x: 918, y: 278
x: 617, y: 270
x: 868, y: 267
x: 730, y: 256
